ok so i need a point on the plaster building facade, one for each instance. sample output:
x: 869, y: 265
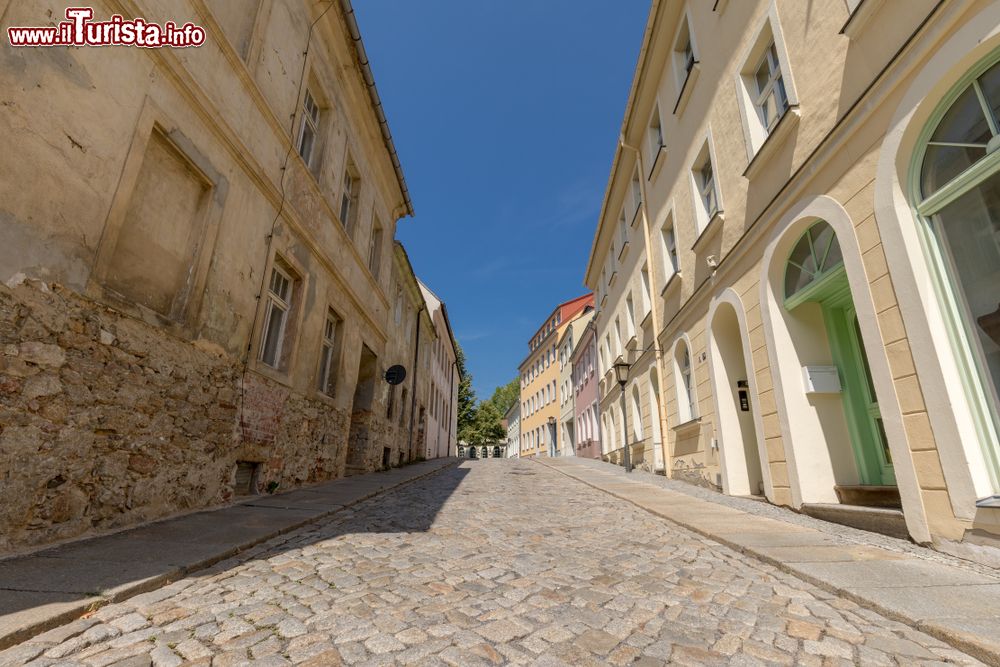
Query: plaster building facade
x: 585, y: 379
x: 567, y: 405
x: 512, y: 422
x: 815, y: 209
x: 439, y: 363
x: 196, y: 269
x: 540, y: 380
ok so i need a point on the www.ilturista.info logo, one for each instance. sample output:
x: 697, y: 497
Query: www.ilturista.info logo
x: 80, y: 30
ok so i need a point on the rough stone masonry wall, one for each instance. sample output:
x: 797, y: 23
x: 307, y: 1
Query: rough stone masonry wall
x: 107, y: 422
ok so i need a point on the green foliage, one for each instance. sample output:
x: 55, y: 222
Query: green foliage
x: 466, y: 399
x: 505, y: 396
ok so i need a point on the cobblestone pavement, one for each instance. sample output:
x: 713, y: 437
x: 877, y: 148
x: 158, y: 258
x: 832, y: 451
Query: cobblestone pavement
x: 491, y: 562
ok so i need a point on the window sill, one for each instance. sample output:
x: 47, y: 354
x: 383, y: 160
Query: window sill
x: 635, y: 216
x: 281, y: 377
x: 711, y: 231
x: 611, y: 280
x: 658, y: 160
x: 672, y: 281
x: 720, y: 6
x: 604, y: 300
x: 647, y: 318
x: 622, y: 253
x: 688, y: 428
x: 686, y: 87
x: 632, y: 343
x: 860, y: 18
x: 785, y: 127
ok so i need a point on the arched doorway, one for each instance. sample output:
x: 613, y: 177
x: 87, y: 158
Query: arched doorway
x: 832, y: 427
x: 472, y: 453
x: 815, y: 277
x: 732, y: 377
x: 496, y: 452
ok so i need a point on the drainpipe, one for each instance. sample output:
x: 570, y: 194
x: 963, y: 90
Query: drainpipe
x: 416, y: 369
x: 657, y: 351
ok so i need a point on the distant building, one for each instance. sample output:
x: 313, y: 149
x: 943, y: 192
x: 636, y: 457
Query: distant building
x: 512, y: 422
x: 540, y: 379
x: 439, y: 360
x: 567, y: 404
x: 587, y: 428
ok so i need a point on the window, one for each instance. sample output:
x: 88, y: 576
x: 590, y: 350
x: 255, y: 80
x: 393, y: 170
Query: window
x: 684, y: 57
x: 349, y: 197
x: 328, y: 355
x: 391, y: 402
x: 644, y: 283
x: 618, y: 336
x: 764, y: 87
x: 669, y: 247
x: 278, y: 306
x: 375, y: 247
x: 636, y: 190
x: 622, y: 229
x: 706, y: 188
x: 771, y: 101
x: 309, y: 130
x: 397, y: 315
x: 686, y: 404
x: 630, y: 320
x: 655, y: 135
x: 958, y: 199
x: 816, y: 255
x: 684, y: 60
x: 637, y: 430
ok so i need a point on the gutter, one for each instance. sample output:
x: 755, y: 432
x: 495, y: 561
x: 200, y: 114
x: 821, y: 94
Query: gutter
x: 369, y: 78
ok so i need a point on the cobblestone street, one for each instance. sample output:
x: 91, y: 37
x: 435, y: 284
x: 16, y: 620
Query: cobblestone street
x: 490, y: 562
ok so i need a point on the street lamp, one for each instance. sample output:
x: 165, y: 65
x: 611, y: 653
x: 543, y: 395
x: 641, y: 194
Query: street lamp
x: 621, y: 374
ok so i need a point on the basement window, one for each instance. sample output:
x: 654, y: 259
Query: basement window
x: 247, y: 473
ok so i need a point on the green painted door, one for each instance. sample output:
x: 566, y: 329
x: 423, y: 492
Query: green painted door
x: 864, y: 419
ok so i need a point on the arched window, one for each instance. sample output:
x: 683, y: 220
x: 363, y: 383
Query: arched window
x: 815, y: 257
x: 957, y: 191
x: 686, y: 403
x: 637, y: 429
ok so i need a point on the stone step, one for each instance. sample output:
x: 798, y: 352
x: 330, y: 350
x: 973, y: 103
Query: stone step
x: 869, y: 496
x: 883, y: 520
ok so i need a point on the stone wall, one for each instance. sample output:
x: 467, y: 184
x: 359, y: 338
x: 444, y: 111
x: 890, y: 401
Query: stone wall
x: 107, y: 422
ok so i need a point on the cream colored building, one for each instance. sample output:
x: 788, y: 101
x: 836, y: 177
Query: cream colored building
x: 440, y: 437
x: 197, y: 252
x: 815, y: 206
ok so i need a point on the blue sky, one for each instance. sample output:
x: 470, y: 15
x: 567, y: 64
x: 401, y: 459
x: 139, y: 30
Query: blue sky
x: 505, y: 114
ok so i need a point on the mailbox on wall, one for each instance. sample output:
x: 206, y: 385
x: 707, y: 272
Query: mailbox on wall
x: 821, y: 379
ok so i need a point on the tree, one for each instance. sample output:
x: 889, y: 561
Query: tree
x: 487, y: 427
x: 466, y: 398
x: 505, y: 396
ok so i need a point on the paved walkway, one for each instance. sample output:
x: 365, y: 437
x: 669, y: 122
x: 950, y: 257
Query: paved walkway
x: 486, y: 563
x: 953, y: 600
x: 44, y: 589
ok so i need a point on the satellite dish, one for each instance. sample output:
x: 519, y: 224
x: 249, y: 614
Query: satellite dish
x: 395, y: 375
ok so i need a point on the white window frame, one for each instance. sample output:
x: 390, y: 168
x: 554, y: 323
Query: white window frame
x: 282, y: 303
x: 327, y: 380
x: 703, y: 213
x: 687, y: 400
x: 312, y: 112
x: 768, y: 32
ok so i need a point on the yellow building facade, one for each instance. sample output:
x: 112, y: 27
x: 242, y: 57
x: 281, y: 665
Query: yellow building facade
x: 539, y: 373
x: 812, y: 187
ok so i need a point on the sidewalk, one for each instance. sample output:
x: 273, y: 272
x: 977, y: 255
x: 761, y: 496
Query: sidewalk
x: 47, y: 588
x: 956, y: 604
